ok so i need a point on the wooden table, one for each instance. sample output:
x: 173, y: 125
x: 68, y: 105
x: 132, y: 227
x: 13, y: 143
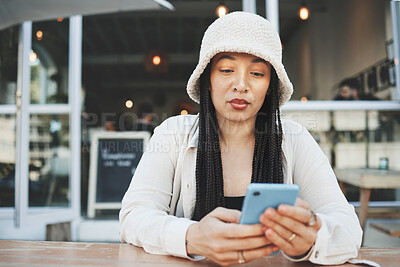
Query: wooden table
x: 392, y: 229
x: 45, y: 253
x: 367, y: 179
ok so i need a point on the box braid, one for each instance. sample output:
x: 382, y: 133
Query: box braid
x: 267, y: 161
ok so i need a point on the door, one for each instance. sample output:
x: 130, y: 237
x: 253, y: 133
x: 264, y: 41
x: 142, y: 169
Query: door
x: 42, y: 124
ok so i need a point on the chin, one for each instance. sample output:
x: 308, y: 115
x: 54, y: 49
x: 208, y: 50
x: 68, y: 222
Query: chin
x: 238, y: 116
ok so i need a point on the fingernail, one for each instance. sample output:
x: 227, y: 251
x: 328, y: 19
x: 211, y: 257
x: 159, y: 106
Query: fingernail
x: 269, y: 211
x: 282, y: 208
x: 269, y: 232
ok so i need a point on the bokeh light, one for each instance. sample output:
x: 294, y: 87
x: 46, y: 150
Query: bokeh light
x: 156, y: 60
x: 221, y: 10
x: 129, y: 103
x: 303, y: 99
x: 304, y: 13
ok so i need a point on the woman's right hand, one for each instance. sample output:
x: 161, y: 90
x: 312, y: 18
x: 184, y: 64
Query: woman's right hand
x: 220, y: 238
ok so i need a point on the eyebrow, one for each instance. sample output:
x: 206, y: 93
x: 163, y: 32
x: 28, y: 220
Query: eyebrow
x: 225, y: 57
x: 256, y: 60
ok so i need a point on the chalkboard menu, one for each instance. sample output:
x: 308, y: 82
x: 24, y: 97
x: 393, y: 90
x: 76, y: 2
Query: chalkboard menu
x: 114, y: 158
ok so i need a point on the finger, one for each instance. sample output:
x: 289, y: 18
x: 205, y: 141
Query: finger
x: 302, y: 203
x: 253, y: 254
x: 226, y: 215
x: 232, y: 257
x: 286, y: 226
x: 298, y: 239
x: 278, y: 240
x: 245, y: 243
x: 301, y: 214
x: 232, y: 229
x: 291, y: 245
x: 279, y: 229
x: 275, y: 219
x: 298, y: 213
x: 243, y: 230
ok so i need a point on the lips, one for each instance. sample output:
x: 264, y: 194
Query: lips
x: 239, y: 104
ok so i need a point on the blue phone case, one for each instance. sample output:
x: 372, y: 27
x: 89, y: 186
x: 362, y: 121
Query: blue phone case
x: 261, y: 196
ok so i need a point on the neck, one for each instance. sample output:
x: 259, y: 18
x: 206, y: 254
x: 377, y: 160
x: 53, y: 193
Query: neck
x: 235, y: 133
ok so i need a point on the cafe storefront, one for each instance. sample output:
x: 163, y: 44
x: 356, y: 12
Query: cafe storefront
x: 40, y: 112
x: 63, y: 78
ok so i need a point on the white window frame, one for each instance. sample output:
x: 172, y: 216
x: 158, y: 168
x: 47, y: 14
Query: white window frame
x: 395, y: 11
x: 23, y: 215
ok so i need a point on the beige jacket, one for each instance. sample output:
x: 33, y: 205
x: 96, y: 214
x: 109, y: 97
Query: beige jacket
x: 159, y: 203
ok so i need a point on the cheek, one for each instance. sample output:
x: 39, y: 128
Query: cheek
x: 261, y: 92
x: 214, y: 93
x: 216, y: 87
x: 260, y: 100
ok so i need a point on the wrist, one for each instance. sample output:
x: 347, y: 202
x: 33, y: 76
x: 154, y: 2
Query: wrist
x: 190, y: 249
x: 304, y: 254
x: 303, y: 257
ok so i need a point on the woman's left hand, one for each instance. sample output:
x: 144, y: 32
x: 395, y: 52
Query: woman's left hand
x: 288, y: 227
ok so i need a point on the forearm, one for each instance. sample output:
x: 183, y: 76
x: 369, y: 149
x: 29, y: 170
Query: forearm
x: 155, y: 231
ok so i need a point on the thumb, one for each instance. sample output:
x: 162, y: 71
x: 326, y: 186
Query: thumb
x: 226, y: 215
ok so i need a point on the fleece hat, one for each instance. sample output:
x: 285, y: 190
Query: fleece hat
x: 241, y: 32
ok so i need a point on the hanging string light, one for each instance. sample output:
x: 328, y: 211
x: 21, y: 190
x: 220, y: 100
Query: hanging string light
x: 304, y: 12
x: 129, y: 103
x: 221, y: 10
x: 156, y: 60
x: 39, y: 35
x: 303, y: 99
x: 33, y: 57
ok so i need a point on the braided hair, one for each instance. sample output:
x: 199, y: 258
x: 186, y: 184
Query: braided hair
x: 267, y: 161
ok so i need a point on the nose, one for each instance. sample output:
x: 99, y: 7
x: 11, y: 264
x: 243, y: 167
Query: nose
x: 241, y: 84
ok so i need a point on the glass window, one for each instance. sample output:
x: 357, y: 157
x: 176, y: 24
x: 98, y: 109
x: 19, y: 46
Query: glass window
x: 49, y: 160
x: 332, y: 48
x: 49, y: 62
x: 7, y: 160
x: 354, y: 140
x: 8, y: 65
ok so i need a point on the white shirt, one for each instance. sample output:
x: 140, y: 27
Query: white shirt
x: 159, y: 203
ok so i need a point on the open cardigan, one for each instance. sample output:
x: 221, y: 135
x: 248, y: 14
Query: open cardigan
x: 159, y: 204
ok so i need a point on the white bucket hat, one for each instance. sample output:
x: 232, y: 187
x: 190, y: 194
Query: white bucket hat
x: 241, y: 32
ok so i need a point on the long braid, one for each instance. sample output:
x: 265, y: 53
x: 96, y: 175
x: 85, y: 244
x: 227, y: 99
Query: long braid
x: 209, y: 181
x: 267, y: 161
x: 268, y: 129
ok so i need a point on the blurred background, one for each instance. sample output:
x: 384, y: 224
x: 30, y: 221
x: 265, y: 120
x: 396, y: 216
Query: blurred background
x: 67, y: 74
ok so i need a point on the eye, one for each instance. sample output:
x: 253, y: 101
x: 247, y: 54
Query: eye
x: 257, y: 74
x: 226, y: 70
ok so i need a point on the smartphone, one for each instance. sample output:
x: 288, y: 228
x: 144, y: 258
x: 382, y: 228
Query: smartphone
x: 261, y: 196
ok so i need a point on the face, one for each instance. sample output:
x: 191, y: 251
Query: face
x: 239, y: 84
x: 345, y: 92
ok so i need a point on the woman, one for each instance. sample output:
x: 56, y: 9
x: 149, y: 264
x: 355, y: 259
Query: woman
x: 185, y: 196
